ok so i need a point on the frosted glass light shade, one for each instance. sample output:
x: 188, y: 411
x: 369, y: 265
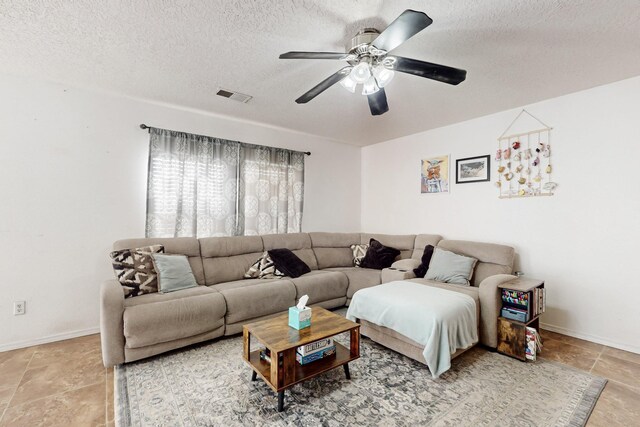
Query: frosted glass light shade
x: 360, y: 72
x: 370, y: 86
x: 349, y: 84
x: 383, y: 75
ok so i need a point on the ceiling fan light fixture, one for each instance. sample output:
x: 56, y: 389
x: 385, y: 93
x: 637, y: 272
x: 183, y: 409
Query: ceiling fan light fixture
x: 383, y: 75
x: 361, y: 72
x: 349, y: 84
x: 370, y: 86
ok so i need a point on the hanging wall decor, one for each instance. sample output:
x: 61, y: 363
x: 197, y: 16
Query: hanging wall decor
x: 524, y: 162
x: 473, y: 169
x: 434, y: 176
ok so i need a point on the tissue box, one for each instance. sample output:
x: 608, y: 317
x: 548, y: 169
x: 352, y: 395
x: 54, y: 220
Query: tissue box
x: 299, y: 319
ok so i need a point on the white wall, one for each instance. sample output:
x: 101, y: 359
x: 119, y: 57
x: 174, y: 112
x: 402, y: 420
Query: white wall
x: 583, y: 241
x: 73, y: 167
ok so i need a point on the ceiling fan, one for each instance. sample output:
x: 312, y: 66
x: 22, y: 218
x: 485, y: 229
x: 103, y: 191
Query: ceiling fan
x: 372, y: 66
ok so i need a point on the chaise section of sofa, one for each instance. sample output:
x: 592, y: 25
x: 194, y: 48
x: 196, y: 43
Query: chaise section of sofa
x: 494, y: 267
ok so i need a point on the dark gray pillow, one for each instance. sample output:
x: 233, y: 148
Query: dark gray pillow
x: 379, y: 256
x: 424, y: 264
x: 288, y: 263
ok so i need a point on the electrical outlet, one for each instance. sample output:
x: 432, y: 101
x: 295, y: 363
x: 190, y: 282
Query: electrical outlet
x: 19, y: 307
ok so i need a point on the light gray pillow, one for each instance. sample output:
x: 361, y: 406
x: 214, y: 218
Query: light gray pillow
x: 448, y: 267
x: 174, y: 273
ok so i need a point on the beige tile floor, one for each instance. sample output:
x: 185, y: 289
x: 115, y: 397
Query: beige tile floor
x: 65, y: 384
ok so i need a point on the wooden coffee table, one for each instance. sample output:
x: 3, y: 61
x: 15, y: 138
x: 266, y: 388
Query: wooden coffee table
x: 282, y: 340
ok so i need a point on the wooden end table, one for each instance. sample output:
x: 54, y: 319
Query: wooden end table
x: 282, y: 340
x: 512, y: 333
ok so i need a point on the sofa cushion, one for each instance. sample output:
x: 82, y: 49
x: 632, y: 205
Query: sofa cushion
x: 333, y: 249
x: 135, y: 271
x: 359, y: 278
x: 228, y: 258
x: 473, y: 292
x: 250, y: 300
x: 423, y: 240
x: 155, y: 318
x: 445, y: 266
x: 298, y: 243
x: 492, y: 258
x: 321, y: 285
x: 243, y: 283
x: 379, y: 256
x: 288, y: 262
x: 188, y: 246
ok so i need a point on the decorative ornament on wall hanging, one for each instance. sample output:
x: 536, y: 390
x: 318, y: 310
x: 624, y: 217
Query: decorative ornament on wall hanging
x: 525, y: 156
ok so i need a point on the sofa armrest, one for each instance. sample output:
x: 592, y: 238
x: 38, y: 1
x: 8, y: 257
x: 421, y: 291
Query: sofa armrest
x: 393, y: 274
x: 490, y: 305
x: 111, y: 323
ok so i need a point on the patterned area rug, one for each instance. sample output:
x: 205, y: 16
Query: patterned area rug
x: 209, y: 385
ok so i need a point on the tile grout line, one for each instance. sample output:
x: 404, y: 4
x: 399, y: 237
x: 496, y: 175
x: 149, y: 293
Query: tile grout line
x: 26, y: 368
x: 53, y: 395
x: 597, y: 359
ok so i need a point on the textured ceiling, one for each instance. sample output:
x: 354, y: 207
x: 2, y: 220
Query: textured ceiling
x: 515, y: 51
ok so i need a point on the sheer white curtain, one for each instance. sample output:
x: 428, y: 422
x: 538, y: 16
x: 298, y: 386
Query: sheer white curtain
x: 201, y: 186
x: 272, y: 190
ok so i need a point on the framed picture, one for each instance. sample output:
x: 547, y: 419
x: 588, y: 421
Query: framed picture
x: 434, y: 175
x: 473, y: 169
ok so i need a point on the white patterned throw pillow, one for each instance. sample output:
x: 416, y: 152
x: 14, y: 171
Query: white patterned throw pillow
x: 263, y: 269
x: 359, y: 251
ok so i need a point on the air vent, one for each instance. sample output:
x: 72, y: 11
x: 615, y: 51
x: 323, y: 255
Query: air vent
x: 236, y: 96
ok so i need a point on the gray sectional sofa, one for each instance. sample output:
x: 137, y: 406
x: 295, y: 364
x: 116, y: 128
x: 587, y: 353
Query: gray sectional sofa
x: 146, y: 325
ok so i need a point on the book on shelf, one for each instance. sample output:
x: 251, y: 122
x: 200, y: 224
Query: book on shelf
x: 312, y: 357
x: 315, y: 346
x: 265, y: 354
x: 531, y: 345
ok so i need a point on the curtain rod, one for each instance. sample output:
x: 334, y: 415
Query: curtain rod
x: 143, y: 126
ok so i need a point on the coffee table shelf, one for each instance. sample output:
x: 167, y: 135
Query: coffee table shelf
x: 302, y: 372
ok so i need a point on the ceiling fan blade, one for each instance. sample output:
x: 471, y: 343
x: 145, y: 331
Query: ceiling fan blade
x: 315, y: 55
x: 405, y: 26
x: 324, y: 85
x: 378, y: 103
x: 441, y: 73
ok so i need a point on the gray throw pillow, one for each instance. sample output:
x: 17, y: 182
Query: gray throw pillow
x: 448, y: 267
x: 174, y: 273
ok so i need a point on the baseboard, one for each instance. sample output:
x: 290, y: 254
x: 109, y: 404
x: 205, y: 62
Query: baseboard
x: 588, y: 337
x: 51, y: 338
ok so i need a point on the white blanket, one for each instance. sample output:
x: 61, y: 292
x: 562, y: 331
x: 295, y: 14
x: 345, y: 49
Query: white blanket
x: 441, y: 320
